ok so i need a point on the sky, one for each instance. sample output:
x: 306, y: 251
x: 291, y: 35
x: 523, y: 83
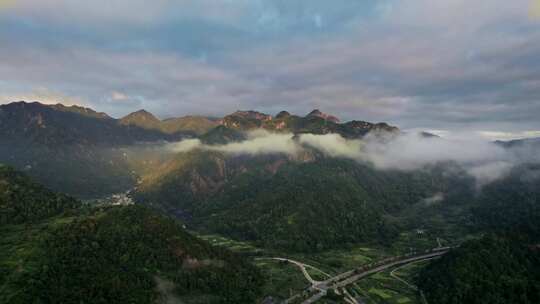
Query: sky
x: 448, y: 66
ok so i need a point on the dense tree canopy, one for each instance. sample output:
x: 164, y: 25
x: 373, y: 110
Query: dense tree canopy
x: 23, y: 201
x: 119, y: 255
x: 512, y: 204
x: 316, y: 205
x: 53, y: 250
x: 504, y: 266
x: 492, y: 270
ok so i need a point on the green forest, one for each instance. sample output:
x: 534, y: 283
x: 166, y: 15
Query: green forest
x: 23, y: 201
x: 504, y: 265
x: 492, y: 270
x: 56, y: 250
x: 302, y: 206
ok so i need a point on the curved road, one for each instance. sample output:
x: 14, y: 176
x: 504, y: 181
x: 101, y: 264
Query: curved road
x: 393, y: 275
x: 302, y: 267
x: 351, y: 276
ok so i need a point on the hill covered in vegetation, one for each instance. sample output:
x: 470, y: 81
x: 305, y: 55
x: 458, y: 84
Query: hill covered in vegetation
x: 503, y: 266
x: 89, y: 148
x: 73, y: 149
x: 494, y: 270
x: 308, y: 202
x: 24, y: 201
x: 56, y: 250
x: 195, y: 125
x: 512, y: 205
x: 128, y: 255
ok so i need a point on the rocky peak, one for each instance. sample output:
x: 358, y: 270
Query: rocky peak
x: 245, y: 120
x: 253, y: 115
x: 142, y: 115
x: 327, y: 117
x: 35, y: 109
x: 141, y: 118
x: 315, y: 112
x: 80, y: 110
x: 283, y: 114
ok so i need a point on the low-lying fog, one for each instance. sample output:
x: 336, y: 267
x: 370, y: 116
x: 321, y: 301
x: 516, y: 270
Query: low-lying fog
x: 487, y: 161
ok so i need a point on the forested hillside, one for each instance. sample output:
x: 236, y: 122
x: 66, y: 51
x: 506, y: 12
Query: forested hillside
x: 504, y: 266
x: 24, y: 201
x: 49, y: 125
x: 493, y: 270
x: 54, y: 250
x: 70, y: 149
x: 320, y: 205
x: 81, y: 171
x: 194, y: 125
x: 79, y: 151
x: 122, y: 254
x: 301, y: 204
x: 89, y: 148
x: 512, y: 204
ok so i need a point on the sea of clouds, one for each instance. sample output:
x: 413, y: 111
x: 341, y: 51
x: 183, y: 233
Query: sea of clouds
x: 486, y: 161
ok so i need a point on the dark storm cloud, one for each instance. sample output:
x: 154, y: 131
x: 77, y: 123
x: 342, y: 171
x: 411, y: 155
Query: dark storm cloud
x: 448, y: 64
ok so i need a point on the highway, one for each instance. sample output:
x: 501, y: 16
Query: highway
x: 354, y: 278
x: 319, y: 289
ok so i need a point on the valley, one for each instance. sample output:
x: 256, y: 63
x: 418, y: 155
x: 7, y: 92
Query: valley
x: 298, y: 280
x: 269, y: 152
x: 249, y: 208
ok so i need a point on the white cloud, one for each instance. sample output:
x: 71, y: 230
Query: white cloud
x: 484, y: 160
x: 413, y: 151
x: 45, y: 96
x: 436, y: 198
x: 184, y: 145
x: 491, y: 171
x: 333, y: 145
x: 260, y: 143
x: 441, y: 64
x: 118, y: 96
x: 498, y: 135
x: 135, y: 12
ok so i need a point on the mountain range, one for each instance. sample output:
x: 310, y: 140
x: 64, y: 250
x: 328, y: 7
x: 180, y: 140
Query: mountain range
x: 314, y: 122
x: 63, y: 125
x: 89, y: 147
x: 285, y: 184
x: 53, y: 125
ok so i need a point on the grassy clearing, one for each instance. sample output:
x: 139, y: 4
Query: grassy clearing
x: 233, y: 245
x: 381, y: 293
x: 340, y: 260
x: 282, y: 279
x: 316, y: 274
x: 382, y: 288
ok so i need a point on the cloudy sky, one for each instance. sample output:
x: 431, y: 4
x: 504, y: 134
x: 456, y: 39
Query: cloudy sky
x: 447, y: 65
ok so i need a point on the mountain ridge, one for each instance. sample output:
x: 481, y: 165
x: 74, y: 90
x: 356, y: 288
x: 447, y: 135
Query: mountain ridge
x: 35, y: 118
x: 92, y: 148
x: 315, y: 122
x: 191, y: 123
